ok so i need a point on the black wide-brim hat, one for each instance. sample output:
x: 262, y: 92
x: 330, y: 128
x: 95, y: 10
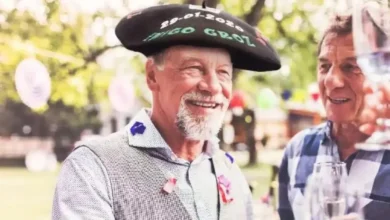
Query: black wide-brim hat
x: 153, y: 29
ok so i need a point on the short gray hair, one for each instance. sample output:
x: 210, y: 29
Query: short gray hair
x: 341, y: 25
x: 159, y: 59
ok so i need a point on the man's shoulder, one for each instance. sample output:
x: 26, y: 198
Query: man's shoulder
x: 104, y: 145
x: 228, y: 160
x: 107, y: 141
x: 307, y: 138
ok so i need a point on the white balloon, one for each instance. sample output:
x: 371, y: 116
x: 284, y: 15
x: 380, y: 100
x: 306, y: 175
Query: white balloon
x: 121, y: 94
x: 313, y: 88
x: 33, y: 83
x: 228, y: 134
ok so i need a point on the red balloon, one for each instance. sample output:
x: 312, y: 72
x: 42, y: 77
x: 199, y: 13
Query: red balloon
x: 315, y: 96
x: 238, y: 100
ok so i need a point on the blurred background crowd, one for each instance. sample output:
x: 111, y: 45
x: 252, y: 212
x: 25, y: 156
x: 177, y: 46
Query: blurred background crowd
x: 93, y: 87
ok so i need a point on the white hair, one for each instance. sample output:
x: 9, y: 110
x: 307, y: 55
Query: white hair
x: 196, y: 127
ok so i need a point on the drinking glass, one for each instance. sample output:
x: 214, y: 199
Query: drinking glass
x: 371, y: 30
x: 327, y: 195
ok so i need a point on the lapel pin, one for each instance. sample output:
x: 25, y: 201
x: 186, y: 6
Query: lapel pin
x: 224, y: 186
x: 226, y: 197
x: 230, y: 157
x: 137, y: 128
x: 169, y: 185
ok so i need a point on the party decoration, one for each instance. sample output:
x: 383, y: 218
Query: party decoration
x: 267, y: 99
x: 314, y: 91
x: 238, y: 100
x: 33, y: 83
x: 228, y: 134
x: 299, y: 95
x: 286, y: 94
x: 121, y: 94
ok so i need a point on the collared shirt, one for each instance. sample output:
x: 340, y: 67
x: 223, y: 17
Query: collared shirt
x: 367, y: 171
x: 83, y: 190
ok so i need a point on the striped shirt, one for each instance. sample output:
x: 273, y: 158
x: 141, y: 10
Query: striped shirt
x: 367, y: 171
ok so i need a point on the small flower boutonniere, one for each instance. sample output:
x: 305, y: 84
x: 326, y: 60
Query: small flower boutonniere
x: 224, y: 188
x: 169, y: 185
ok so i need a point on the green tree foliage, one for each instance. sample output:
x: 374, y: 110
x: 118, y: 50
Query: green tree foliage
x: 58, y: 40
x: 66, y: 44
x: 78, y: 81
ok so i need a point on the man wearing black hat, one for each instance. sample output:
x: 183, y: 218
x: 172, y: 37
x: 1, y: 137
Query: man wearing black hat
x: 166, y: 163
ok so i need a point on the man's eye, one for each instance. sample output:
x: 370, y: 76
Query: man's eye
x: 324, y: 67
x: 350, y: 68
x: 226, y: 72
x: 195, y: 68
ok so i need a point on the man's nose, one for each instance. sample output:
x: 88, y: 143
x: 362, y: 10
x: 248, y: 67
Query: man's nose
x: 211, y: 83
x: 334, y: 78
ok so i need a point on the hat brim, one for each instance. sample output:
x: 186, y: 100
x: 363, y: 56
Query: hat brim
x: 248, y: 50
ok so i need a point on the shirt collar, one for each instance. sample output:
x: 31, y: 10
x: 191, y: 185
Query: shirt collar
x: 327, y: 139
x: 150, y: 137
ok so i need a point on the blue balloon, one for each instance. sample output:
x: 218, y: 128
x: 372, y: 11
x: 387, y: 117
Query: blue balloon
x: 286, y: 94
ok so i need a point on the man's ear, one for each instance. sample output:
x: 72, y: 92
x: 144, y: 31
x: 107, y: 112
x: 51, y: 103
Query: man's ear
x: 150, y: 69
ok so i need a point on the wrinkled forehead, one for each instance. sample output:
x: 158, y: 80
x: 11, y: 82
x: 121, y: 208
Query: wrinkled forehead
x: 336, y: 47
x: 183, y: 52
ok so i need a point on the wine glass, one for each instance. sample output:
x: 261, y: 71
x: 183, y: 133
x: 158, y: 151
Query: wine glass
x: 371, y: 31
x: 328, y: 169
x: 330, y: 198
x: 337, y: 200
x: 321, y: 171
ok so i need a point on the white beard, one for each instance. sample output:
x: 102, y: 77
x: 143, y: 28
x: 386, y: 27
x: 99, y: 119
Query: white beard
x: 199, y: 127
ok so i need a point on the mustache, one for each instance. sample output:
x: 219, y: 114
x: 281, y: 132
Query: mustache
x: 198, y: 96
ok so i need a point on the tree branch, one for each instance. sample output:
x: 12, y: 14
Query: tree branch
x: 73, y: 37
x: 254, y: 15
x: 291, y: 40
x: 209, y: 3
x: 92, y: 57
x: 95, y: 53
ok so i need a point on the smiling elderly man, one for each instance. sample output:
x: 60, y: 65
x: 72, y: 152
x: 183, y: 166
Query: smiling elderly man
x: 166, y: 164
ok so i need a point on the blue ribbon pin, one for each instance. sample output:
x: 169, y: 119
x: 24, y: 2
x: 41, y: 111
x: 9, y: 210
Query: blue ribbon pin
x: 229, y: 157
x: 137, y: 128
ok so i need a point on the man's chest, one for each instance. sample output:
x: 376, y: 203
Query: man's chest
x: 368, y: 173
x: 196, y: 187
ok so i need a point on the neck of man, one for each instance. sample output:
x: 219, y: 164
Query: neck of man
x: 182, y: 147
x: 346, y: 136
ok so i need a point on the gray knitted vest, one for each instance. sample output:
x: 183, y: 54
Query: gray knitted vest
x: 136, y: 184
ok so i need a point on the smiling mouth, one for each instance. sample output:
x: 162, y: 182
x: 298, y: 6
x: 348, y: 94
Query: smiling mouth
x: 338, y: 101
x: 210, y: 105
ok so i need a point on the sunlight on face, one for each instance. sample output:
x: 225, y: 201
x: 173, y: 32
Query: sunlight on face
x: 193, y: 88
